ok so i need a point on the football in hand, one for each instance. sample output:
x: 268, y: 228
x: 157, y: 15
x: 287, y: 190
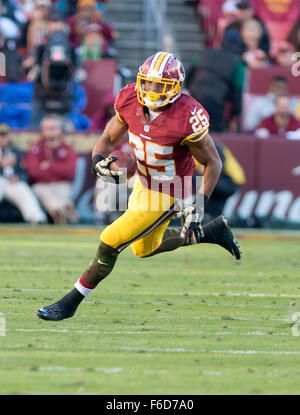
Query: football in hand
x: 126, y: 162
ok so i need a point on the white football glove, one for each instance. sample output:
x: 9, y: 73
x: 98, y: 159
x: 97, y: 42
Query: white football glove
x: 191, y: 223
x: 100, y: 168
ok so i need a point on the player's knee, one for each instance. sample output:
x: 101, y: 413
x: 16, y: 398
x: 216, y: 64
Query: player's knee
x: 107, y: 252
x: 111, y: 236
x: 139, y: 251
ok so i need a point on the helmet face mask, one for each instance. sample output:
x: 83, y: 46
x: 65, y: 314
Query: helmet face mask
x: 159, y: 80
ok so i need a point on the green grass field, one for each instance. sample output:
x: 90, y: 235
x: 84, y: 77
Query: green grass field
x: 193, y: 321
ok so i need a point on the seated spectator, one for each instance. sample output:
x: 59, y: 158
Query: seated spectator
x: 284, y: 56
x: 214, y: 80
x: 232, y: 177
x: 13, y: 181
x: 233, y: 36
x: 87, y: 14
x: 263, y: 106
x: 51, y: 165
x: 281, y: 122
x: 106, y: 111
x: 92, y: 46
x: 53, y: 74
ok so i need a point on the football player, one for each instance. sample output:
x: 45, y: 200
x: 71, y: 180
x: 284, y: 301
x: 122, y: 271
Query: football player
x: 167, y: 130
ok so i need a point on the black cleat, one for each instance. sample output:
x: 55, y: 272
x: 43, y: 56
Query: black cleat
x: 64, y: 308
x: 218, y: 231
x: 55, y: 312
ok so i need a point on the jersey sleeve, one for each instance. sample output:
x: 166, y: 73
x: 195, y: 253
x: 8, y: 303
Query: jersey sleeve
x: 121, y: 103
x: 196, y: 125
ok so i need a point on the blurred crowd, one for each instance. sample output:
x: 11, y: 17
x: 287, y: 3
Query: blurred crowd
x: 37, y: 186
x: 241, y: 36
x: 46, y: 44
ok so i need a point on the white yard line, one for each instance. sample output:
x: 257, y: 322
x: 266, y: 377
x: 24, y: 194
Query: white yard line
x: 75, y: 331
x: 187, y: 293
x: 178, y: 350
x: 251, y: 333
x: 115, y: 370
x: 207, y: 351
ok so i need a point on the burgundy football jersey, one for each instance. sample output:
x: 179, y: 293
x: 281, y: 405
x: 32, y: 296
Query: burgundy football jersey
x: 164, y: 161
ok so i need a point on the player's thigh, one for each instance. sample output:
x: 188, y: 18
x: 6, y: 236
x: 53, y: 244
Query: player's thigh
x: 131, y: 226
x: 146, y: 211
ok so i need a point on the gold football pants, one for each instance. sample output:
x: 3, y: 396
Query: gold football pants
x: 143, y: 224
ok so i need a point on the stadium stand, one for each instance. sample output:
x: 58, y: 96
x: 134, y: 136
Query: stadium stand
x: 134, y: 30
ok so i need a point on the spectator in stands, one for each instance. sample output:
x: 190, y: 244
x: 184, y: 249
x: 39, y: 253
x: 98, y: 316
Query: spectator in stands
x: 214, y: 80
x: 53, y: 74
x: 34, y: 31
x: 264, y: 106
x: 251, y: 50
x: 231, y: 179
x: 51, y: 165
x: 13, y: 181
x: 284, y: 56
x: 233, y: 37
x: 87, y: 14
x: 294, y: 36
x: 252, y: 56
x: 92, y: 46
x: 281, y: 121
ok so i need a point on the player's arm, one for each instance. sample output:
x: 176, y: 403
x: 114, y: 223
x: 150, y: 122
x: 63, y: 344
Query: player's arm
x: 112, y: 134
x: 205, y: 152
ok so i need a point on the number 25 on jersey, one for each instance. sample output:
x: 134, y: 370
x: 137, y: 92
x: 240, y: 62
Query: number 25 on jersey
x: 199, y: 121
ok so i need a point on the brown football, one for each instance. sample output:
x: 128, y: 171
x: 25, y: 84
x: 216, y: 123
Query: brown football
x: 126, y: 160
